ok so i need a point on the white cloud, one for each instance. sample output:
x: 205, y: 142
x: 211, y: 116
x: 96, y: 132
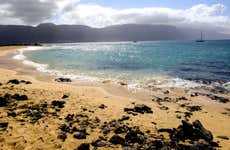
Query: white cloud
x: 74, y: 12
x: 198, y: 16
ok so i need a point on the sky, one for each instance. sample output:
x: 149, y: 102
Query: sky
x: 211, y: 14
x: 177, y: 4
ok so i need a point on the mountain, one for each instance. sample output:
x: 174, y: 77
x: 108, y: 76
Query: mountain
x: 51, y: 33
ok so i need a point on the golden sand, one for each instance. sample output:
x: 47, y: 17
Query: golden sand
x: 9, y: 49
x: 43, y: 134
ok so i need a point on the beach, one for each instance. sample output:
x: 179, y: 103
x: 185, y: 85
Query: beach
x: 38, y: 113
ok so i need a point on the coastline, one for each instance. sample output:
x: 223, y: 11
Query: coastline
x: 43, y: 134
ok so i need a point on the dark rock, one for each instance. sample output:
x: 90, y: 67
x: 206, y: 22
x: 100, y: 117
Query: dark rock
x: 134, y: 136
x: 64, y: 128
x: 59, y: 104
x: 165, y: 130
x: 3, y: 102
x: 139, y: 108
x: 14, y: 81
x: 69, y: 117
x: 167, y: 99
x: 187, y: 114
x: 214, y: 144
x: 80, y: 135
x: 157, y: 99
x: 194, y: 108
x: 84, y: 109
x: 11, y: 114
x: 23, y: 81
x: 3, y: 126
x: 99, y: 143
x: 0, y: 84
x: 102, y: 106
x: 123, y: 118
x: 154, y: 123
x: 223, y: 137
x: 193, y: 131
x: 44, y: 105
x: 201, y: 145
x: 216, y: 98
x: 62, y: 136
x: 122, y: 83
x: 166, y: 92
x: 222, y: 99
x: 204, y: 133
x: 65, y: 96
x: 121, y: 129
x: 163, y: 108
x: 83, y: 146
x: 155, y: 145
x: 128, y: 109
x: 96, y: 120
x: 116, y: 139
x: 28, y: 82
x: 182, y: 105
x: 194, y: 94
x: 19, y: 97
x: 63, y: 80
x: 105, y: 130
x: 178, y: 116
x: 182, y: 98
x: 219, y: 89
x: 35, y: 116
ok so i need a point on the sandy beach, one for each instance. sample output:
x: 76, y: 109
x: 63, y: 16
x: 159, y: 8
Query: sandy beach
x: 38, y: 113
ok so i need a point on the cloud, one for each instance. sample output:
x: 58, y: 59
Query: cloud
x: 33, y: 12
x: 198, y: 16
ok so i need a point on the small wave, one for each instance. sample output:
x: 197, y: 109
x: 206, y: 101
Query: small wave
x: 177, y: 82
x: 162, y: 82
x: 44, y: 67
x: 227, y: 85
x: 21, y: 56
x: 39, y: 67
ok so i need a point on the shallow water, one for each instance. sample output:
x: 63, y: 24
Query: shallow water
x: 141, y: 63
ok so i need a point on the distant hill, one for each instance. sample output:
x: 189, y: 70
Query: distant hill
x: 51, y: 33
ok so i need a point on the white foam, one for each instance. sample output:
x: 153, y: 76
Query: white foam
x: 227, y: 85
x: 39, y: 67
x: 177, y: 83
x: 44, y: 67
x: 21, y: 56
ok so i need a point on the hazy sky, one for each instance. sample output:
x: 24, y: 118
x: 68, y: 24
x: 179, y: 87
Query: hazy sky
x: 177, y: 4
x: 213, y: 14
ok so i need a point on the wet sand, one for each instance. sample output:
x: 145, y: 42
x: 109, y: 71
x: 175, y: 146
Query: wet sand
x: 41, y: 122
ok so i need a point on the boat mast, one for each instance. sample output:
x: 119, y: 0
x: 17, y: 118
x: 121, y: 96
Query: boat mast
x: 201, y: 35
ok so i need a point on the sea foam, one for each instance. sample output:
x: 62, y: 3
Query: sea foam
x: 45, y: 67
x: 20, y: 56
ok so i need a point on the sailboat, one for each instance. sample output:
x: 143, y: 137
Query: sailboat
x: 201, y: 38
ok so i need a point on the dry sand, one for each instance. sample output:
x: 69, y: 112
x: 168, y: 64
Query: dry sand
x: 9, y: 49
x: 22, y: 134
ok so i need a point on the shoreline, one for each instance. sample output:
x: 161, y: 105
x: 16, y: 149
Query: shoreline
x: 90, y: 97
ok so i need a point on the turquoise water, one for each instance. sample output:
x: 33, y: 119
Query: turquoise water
x: 141, y: 61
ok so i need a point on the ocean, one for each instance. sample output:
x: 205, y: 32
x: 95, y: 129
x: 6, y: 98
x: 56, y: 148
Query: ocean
x: 139, y: 64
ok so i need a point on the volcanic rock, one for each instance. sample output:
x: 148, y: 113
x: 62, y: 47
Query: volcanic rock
x: 63, y: 80
x: 116, y: 139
